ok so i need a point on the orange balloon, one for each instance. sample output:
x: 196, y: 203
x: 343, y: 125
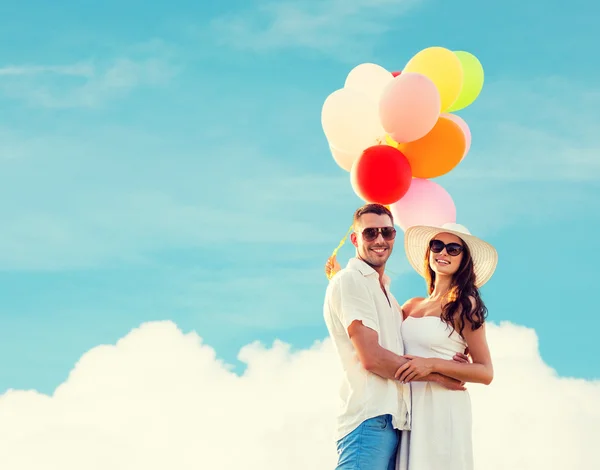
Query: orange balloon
x: 437, y: 152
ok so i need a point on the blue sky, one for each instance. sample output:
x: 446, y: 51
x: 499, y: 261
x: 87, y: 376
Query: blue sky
x: 166, y: 161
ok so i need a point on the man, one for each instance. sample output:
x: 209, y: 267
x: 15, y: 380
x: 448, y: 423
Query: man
x: 364, y: 323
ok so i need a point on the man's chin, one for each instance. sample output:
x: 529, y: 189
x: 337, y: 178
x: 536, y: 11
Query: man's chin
x: 377, y: 262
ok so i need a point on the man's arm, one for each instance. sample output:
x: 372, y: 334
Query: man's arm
x: 385, y: 363
x: 358, y: 314
x: 371, y: 354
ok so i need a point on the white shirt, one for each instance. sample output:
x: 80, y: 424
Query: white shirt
x: 354, y: 293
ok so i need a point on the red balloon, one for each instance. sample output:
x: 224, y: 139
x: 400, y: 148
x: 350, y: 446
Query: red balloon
x: 382, y: 175
x: 395, y: 74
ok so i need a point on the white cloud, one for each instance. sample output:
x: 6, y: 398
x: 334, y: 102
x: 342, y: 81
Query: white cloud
x: 160, y: 399
x: 78, y: 70
x: 338, y: 27
x: 83, y: 84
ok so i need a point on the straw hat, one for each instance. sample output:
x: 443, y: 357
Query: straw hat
x: 485, y: 256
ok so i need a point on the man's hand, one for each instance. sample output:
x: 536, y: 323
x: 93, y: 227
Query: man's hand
x: 450, y: 383
x: 332, y: 267
x: 463, y: 358
x: 416, y: 368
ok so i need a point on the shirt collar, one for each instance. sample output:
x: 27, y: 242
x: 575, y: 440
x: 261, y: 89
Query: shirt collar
x: 359, y: 265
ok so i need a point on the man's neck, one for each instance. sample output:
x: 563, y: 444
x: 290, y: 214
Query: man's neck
x: 380, y: 270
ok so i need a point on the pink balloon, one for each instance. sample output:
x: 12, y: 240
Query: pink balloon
x: 425, y: 203
x: 465, y: 128
x: 409, y: 107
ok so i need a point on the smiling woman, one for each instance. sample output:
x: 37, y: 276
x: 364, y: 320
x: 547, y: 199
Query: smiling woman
x: 449, y: 321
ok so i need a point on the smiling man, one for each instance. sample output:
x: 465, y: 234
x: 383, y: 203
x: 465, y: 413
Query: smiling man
x: 364, y: 321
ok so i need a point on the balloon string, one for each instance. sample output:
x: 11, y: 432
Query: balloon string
x: 334, y: 254
x: 342, y: 241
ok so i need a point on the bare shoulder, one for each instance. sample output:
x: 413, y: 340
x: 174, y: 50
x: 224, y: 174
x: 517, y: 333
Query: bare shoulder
x: 411, y: 303
x: 409, y: 306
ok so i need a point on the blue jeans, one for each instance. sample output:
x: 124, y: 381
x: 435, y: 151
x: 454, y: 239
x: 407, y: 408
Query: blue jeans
x: 372, y: 445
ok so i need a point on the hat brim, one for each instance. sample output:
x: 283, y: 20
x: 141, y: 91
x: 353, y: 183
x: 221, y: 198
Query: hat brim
x: 416, y: 242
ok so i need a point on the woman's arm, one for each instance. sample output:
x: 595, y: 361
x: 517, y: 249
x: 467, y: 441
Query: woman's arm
x: 480, y: 371
x: 449, y: 382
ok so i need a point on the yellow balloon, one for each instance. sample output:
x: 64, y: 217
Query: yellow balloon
x: 443, y: 68
x: 391, y: 142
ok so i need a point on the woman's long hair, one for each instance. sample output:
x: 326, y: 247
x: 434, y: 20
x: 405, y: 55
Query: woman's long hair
x: 459, y: 308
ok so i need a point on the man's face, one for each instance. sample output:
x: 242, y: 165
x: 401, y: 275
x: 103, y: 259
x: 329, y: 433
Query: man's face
x: 374, y: 251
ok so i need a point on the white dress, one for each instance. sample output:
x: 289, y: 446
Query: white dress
x: 440, y: 437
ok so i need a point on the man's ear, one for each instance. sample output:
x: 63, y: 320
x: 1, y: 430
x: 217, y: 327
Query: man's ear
x: 353, y: 239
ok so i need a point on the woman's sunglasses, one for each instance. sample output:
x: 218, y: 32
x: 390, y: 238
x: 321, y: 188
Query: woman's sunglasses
x: 371, y: 233
x: 453, y: 249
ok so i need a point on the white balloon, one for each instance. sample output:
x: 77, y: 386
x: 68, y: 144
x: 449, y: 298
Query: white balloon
x: 369, y: 79
x: 343, y: 159
x: 350, y: 121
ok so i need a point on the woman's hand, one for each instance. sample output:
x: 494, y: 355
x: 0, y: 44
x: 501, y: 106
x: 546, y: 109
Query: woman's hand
x: 416, y: 368
x: 332, y: 267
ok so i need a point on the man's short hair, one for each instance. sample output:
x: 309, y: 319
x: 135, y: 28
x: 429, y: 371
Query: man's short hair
x: 378, y: 209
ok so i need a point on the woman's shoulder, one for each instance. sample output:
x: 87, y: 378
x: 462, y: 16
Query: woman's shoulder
x: 410, y: 305
x: 414, y: 301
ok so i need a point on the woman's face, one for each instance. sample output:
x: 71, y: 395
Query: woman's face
x: 445, y: 254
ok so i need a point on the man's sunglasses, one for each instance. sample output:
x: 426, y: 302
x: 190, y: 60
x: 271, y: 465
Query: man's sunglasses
x: 453, y: 249
x: 371, y: 233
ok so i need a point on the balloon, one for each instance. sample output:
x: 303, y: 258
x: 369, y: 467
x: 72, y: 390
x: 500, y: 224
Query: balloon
x: 395, y: 74
x: 438, y: 152
x: 390, y: 141
x: 409, y: 107
x: 343, y: 159
x: 425, y: 203
x: 350, y: 121
x: 381, y: 175
x: 464, y: 127
x: 472, y: 80
x: 369, y: 79
x: 443, y: 68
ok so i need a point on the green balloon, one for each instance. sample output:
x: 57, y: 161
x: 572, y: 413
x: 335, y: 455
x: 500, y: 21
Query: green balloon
x: 472, y: 80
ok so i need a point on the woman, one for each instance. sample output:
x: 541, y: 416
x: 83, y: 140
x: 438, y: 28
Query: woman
x: 435, y: 328
x: 451, y: 318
